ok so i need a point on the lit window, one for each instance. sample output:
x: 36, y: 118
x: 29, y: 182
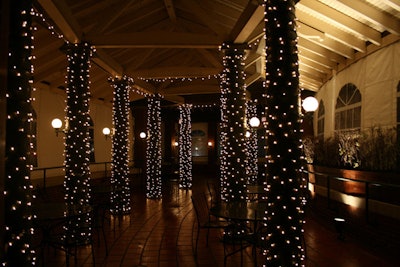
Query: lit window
x: 348, y: 108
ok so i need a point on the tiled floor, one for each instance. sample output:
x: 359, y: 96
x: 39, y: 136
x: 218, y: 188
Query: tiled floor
x: 160, y: 233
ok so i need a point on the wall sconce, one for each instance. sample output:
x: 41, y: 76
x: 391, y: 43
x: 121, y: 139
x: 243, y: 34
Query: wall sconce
x: 108, y: 132
x: 210, y: 144
x: 142, y: 135
x: 57, y: 124
x: 254, y: 122
x: 310, y: 104
x: 175, y: 143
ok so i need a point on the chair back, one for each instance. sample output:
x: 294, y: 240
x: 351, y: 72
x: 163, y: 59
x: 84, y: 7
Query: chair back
x: 201, y: 208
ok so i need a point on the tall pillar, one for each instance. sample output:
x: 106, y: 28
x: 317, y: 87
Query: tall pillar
x: 18, y: 216
x: 252, y: 148
x: 77, y: 139
x: 185, y: 147
x: 153, y: 149
x: 4, y: 36
x: 121, y: 195
x: 233, y: 126
x: 284, y: 214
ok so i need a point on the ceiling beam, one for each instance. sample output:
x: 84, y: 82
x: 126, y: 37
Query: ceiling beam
x: 317, y: 58
x: 107, y: 63
x: 175, y: 99
x: 203, y: 16
x: 251, y: 59
x: 113, y: 15
x: 62, y: 16
x: 313, y: 64
x: 155, y: 40
x: 304, y: 84
x: 320, y: 39
x: 318, y: 49
x: 211, y: 58
x: 386, y: 21
x: 395, y: 4
x: 257, y: 34
x: 192, y: 89
x: 169, y: 5
x: 176, y: 72
x: 248, y: 21
x: 320, y: 76
x: 311, y: 76
x: 340, y: 20
x: 253, y: 78
x: 331, y: 31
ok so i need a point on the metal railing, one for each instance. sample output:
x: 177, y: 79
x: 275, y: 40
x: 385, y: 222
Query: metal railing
x: 105, y: 169
x: 367, y: 184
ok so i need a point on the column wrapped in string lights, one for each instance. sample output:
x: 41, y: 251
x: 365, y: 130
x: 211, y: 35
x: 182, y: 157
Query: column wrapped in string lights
x: 185, y: 146
x: 252, y: 148
x: 233, y: 125
x: 77, y: 139
x: 153, y: 149
x: 18, y: 214
x: 284, y: 212
x: 121, y: 195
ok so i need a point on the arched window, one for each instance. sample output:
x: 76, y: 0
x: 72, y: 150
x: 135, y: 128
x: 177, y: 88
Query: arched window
x: 91, y: 140
x: 348, y: 108
x: 321, y: 120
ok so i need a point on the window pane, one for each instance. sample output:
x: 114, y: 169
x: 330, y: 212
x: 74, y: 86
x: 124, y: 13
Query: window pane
x: 357, y: 117
x: 337, y: 121
x: 356, y: 97
x: 321, y: 109
x: 349, y: 118
x: 320, y: 129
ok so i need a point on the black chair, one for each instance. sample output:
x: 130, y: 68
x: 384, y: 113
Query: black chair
x: 214, y: 194
x: 203, y: 217
x: 65, y: 235
x: 236, y: 238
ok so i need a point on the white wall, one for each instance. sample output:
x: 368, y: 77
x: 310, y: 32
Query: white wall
x: 49, y: 104
x: 376, y: 76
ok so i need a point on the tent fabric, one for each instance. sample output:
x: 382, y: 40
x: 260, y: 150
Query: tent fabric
x: 376, y: 76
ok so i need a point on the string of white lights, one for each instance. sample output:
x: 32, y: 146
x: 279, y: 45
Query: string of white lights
x: 284, y: 212
x: 153, y: 150
x: 120, y: 195
x: 233, y: 114
x: 77, y: 139
x: 185, y: 147
x: 252, y: 148
x: 18, y: 215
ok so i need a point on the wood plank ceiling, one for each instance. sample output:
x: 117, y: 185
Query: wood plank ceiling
x: 172, y: 46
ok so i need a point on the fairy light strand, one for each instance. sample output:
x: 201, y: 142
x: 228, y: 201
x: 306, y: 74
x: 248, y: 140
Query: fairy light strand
x: 77, y: 138
x: 153, y: 149
x: 18, y: 232
x: 252, y: 148
x: 284, y: 212
x: 233, y: 124
x: 185, y: 147
x: 121, y: 195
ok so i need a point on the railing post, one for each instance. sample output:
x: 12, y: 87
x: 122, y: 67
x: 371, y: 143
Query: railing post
x: 44, y: 179
x: 328, y: 187
x: 367, y: 201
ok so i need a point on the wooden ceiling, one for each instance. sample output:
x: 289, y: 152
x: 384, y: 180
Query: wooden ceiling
x: 172, y: 46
